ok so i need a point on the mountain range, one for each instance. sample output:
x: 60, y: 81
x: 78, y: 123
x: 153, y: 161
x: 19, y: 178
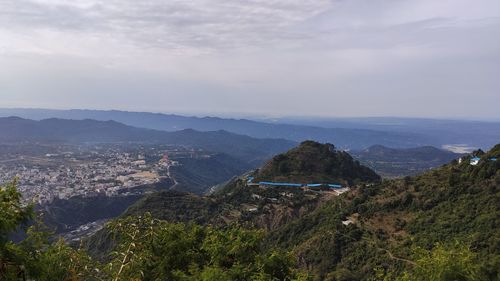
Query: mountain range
x: 346, y: 133
x: 250, y: 150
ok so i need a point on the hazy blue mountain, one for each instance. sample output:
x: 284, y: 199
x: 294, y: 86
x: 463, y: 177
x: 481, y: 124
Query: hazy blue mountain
x: 392, y: 162
x: 342, y: 137
x: 353, y: 133
x: 476, y: 134
x: 15, y: 129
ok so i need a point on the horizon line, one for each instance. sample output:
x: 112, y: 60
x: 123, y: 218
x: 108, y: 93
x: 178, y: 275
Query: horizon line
x: 258, y: 117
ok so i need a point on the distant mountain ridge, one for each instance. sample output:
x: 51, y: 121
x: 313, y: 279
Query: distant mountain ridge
x: 346, y: 133
x: 81, y: 131
x: 348, y: 138
x: 470, y: 133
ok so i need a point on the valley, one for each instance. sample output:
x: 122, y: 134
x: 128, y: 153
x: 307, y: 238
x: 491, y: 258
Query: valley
x: 339, y: 215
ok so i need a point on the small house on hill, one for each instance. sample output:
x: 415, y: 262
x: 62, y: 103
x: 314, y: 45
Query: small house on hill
x: 347, y: 222
x: 474, y: 161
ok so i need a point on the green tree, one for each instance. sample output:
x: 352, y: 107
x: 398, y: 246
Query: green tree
x: 35, y: 258
x: 12, y: 212
x: 453, y: 263
x: 151, y: 249
x: 12, y: 215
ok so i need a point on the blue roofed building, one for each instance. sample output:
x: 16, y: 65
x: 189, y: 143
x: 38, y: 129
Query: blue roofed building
x: 474, y: 161
x: 267, y: 183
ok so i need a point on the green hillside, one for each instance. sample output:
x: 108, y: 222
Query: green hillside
x: 269, y: 207
x: 458, y: 202
x: 440, y: 225
x: 314, y: 162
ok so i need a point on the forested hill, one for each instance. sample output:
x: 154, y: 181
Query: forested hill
x: 312, y: 162
x: 250, y: 205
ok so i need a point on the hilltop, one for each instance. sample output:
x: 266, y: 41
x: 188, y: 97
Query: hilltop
x: 321, y: 163
x: 312, y: 162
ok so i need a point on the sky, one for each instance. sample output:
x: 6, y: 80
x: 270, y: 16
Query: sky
x: 332, y: 58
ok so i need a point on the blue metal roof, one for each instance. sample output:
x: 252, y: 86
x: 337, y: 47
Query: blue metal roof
x: 475, y: 159
x: 299, y: 184
x: 280, y: 184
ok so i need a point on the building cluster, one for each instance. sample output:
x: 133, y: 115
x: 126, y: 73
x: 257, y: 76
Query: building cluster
x: 319, y: 187
x: 106, y: 172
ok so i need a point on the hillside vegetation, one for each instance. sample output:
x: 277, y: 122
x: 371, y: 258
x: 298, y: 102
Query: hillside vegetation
x: 252, y: 206
x: 458, y: 202
x: 441, y: 225
x: 391, y: 222
x: 145, y: 249
x: 270, y: 207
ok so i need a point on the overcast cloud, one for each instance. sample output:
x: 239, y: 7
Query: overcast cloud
x: 275, y: 57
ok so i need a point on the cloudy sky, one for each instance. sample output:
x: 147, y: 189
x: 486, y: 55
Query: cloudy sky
x: 424, y: 58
